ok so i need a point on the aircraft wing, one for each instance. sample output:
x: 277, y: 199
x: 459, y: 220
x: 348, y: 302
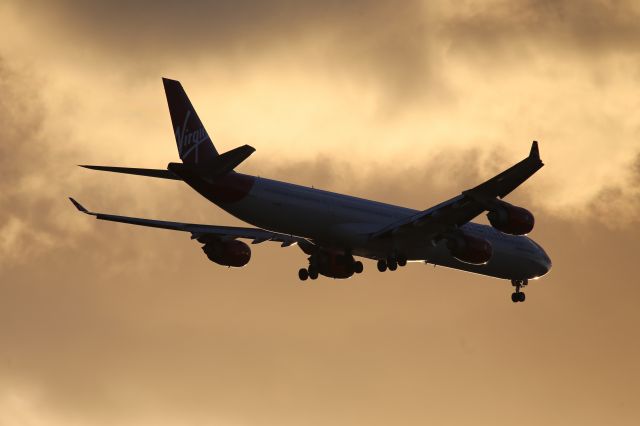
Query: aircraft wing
x: 465, y: 207
x: 201, y: 232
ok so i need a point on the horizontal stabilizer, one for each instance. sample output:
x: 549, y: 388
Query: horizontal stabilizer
x: 219, y: 166
x: 228, y: 161
x: 156, y: 173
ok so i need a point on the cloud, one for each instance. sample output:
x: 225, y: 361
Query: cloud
x: 37, y: 171
x: 402, y: 184
x: 383, y: 41
x: 617, y: 205
x: 567, y: 27
x: 209, y: 344
x: 104, y: 323
x: 23, y: 158
x: 389, y: 33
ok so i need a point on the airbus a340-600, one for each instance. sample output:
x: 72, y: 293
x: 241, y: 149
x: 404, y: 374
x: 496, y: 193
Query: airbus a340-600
x: 333, y: 230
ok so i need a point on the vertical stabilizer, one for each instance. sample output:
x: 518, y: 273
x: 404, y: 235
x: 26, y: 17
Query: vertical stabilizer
x: 194, y: 144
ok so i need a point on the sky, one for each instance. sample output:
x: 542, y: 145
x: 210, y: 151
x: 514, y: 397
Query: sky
x: 404, y: 102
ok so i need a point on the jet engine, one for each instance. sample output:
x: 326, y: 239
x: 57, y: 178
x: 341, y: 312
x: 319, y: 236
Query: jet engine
x: 468, y: 249
x: 511, y: 220
x: 228, y: 253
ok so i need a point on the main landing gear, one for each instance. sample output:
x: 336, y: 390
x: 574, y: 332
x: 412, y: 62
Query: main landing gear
x: 312, y: 271
x: 518, y: 296
x: 391, y: 263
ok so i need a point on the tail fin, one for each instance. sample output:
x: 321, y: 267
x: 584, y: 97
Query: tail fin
x: 194, y: 144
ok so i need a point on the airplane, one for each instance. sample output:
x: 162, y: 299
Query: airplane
x: 334, y: 229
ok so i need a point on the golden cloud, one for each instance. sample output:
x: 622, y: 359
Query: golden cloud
x: 409, y: 103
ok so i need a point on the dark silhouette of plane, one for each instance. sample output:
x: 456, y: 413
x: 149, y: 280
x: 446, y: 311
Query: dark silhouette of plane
x: 334, y: 229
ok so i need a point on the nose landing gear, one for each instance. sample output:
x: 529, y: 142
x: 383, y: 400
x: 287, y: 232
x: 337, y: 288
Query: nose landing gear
x: 518, y: 296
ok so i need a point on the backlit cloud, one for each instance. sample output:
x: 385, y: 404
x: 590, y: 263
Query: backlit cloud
x: 403, y: 102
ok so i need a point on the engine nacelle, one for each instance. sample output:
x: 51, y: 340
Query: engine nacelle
x: 228, y: 253
x: 468, y: 249
x: 511, y: 220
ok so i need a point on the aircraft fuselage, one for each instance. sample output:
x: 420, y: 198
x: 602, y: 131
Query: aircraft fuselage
x: 345, y: 222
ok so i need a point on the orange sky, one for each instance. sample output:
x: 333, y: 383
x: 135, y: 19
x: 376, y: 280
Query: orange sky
x: 105, y: 324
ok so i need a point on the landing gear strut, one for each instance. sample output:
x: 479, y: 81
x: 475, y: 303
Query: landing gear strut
x: 518, y: 296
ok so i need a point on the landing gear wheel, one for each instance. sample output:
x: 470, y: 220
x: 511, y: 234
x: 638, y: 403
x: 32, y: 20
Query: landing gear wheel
x: 392, y: 266
x: 357, y: 267
x: 313, y: 272
x: 303, y: 274
x: 518, y: 296
x: 402, y: 261
x: 382, y: 265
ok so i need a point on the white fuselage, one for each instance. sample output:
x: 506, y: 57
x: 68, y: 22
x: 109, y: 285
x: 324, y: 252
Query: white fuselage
x: 344, y: 222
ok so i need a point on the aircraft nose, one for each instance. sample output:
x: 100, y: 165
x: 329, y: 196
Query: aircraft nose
x: 543, y: 264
